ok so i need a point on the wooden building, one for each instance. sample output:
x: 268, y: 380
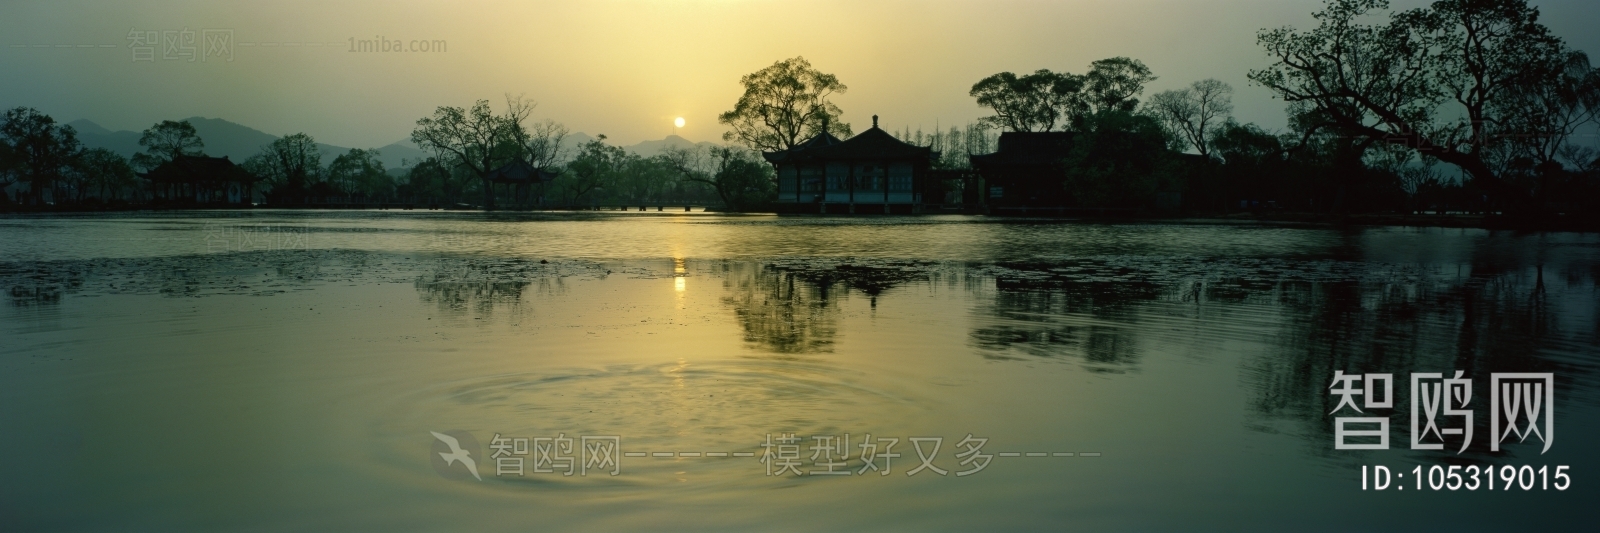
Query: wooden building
x: 1025, y: 170
x: 201, y: 180
x: 520, y: 180
x: 1027, y: 174
x: 871, y: 172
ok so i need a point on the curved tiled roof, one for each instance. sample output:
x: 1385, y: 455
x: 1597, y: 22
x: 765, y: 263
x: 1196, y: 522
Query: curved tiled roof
x: 871, y: 144
x: 192, y: 168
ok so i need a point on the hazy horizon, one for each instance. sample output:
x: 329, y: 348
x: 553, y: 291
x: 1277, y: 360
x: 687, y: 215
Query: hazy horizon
x: 622, y: 69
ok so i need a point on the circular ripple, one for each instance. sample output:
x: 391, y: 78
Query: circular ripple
x: 726, y: 407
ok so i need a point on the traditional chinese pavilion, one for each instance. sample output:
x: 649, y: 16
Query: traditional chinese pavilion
x: 520, y: 177
x: 827, y: 175
x: 201, y: 179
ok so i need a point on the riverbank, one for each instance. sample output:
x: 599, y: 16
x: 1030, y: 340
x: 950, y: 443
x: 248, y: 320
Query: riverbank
x: 1546, y: 222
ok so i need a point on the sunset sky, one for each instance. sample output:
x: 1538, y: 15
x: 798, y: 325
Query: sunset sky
x: 622, y: 68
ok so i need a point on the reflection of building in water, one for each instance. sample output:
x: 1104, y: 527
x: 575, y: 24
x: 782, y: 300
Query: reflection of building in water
x: 35, y: 295
x: 1041, y: 321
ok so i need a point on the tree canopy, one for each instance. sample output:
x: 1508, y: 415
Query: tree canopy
x: 783, y: 105
x: 1114, y: 84
x: 1032, y: 102
x: 1449, y: 81
x: 359, y: 171
x: 1045, y: 100
x: 479, y: 140
x: 104, y: 171
x: 292, y: 162
x: 1194, y: 112
x: 165, y: 141
x: 38, y: 149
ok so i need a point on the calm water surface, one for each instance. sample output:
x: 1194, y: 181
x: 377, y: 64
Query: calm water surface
x: 284, y: 370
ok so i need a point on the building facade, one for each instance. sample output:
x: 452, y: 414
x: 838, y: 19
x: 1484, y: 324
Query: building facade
x: 871, y: 172
x: 199, y: 179
x: 1025, y: 170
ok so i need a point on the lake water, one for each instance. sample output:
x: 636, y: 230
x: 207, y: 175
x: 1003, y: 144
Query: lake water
x: 283, y: 370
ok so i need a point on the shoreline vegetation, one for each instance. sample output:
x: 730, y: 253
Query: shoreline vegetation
x: 1393, y: 116
x: 1558, y: 222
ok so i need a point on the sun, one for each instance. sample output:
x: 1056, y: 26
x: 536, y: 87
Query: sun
x: 678, y: 122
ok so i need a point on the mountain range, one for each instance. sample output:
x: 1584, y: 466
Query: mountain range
x: 238, y: 142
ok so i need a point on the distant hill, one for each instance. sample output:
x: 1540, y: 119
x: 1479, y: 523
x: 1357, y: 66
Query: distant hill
x: 223, y: 138
x: 92, y: 135
x: 238, y: 142
x: 650, y: 148
x: 395, y: 154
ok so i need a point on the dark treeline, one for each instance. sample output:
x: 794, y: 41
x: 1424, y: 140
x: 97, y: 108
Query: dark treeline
x: 1462, y: 106
x: 470, y: 144
x: 1466, y: 105
x: 467, y: 146
x: 47, y: 160
x: 52, y: 167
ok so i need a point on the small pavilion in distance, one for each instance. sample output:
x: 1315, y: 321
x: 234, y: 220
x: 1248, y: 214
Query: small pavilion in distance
x: 871, y: 172
x: 520, y: 177
x: 200, y: 179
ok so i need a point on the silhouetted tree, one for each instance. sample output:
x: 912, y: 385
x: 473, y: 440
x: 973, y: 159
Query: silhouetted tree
x: 783, y: 105
x: 595, y: 167
x: 1546, y: 108
x: 540, y: 145
x: 1114, y: 84
x: 1195, y: 112
x: 1033, y: 102
x: 1436, y: 78
x: 291, y: 163
x: 476, y: 139
x: 105, y: 171
x: 166, y: 141
x: 41, y: 151
x: 1253, y: 167
x: 359, y: 171
x: 430, y: 181
x: 740, y: 178
x: 1119, y: 159
x: 641, y: 180
x: 956, y: 145
x: 11, y: 170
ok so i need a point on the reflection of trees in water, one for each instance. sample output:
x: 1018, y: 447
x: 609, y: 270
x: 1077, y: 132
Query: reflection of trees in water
x: 40, y: 283
x: 780, y: 312
x: 1063, y: 319
x: 1499, y: 320
x: 1350, y: 316
x: 480, y: 285
x: 35, y: 295
x: 790, y: 306
x: 479, y: 298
